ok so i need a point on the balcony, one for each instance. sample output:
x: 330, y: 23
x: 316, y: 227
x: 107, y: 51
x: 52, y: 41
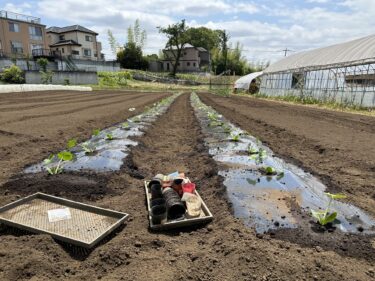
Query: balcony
x: 46, y: 53
x: 20, y: 17
x: 17, y: 50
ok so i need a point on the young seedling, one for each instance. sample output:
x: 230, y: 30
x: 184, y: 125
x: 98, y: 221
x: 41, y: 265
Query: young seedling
x: 251, y: 150
x: 235, y: 137
x: 88, y: 148
x: 269, y: 171
x: 62, y: 156
x: 216, y: 124
x: 96, y: 132
x: 109, y: 137
x: 212, y: 116
x: 125, y: 125
x: 136, y: 119
x: 325, y: 217
x: 71, y: 143
x: 49, y: 159
x: 227, y: 129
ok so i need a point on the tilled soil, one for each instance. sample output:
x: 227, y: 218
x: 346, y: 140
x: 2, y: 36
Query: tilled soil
x: 339, y: 148
x: 222, y: 250
x: 34, y: 124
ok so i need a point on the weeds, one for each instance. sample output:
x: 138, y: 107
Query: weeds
x: 71, y: 143
x: 325, y: 217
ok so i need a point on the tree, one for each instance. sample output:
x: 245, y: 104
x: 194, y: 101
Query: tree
x: 131, y: 57
x: 204, y: 37
x: 224, y: 38
x: 112, y: 42
x: 137, y: 35
x: 177, y: 39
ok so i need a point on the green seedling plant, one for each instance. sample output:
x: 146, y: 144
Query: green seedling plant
x: 325, y: 217
x: 88, y: 148
x: 251, y: 150
x: 270, y: 171
x: 96, y: 132
x: 216, y: 124
x: 71, y: 143
x: 227, y: 129
x: 109, y: 137
x: 212, y: 116
x: 125, y: 125
x: 235, y: 137
x: 62, y: 156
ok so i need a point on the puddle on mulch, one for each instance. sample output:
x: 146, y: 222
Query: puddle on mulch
x: 109, y: 154
x: 263, y: 201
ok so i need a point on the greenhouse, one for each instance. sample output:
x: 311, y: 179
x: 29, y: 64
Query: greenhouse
x: 342, y: 73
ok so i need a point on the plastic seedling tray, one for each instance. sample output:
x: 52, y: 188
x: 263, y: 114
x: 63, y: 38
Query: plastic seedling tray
x: 69, y: 221
x: 205, y: 216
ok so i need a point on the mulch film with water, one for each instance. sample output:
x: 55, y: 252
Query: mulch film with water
x: 266, y: 192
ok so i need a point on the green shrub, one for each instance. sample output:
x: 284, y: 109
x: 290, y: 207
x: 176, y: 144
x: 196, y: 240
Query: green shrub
x: 13, y: 74
x: 46, y: 76
x: 42, y: 62
x: 114, y: 79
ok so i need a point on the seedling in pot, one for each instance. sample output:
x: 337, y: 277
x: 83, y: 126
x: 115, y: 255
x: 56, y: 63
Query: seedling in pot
x: 62, y: 156
x: 88, y: 148
x: 109, y: 137
x: 235, y: 137
x: 96, y: 132
x: 325, y: 217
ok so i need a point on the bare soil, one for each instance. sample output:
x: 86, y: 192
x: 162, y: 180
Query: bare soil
x: 222, y: 250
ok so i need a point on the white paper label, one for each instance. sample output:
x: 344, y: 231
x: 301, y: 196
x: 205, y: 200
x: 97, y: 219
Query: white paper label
x: 59, y: 215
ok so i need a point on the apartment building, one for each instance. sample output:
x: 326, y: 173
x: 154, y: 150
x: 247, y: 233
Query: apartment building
x: 21, y: 35
x: 193, y: 59
x: 75, y: 41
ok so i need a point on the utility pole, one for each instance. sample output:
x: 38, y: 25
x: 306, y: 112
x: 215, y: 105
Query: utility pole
x: 286, y: 51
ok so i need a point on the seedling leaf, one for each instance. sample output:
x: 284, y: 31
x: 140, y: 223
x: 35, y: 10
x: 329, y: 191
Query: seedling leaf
x: 96, y: 132
x: 71, y: 143
x: 335, y: 196
x: 65, y: 156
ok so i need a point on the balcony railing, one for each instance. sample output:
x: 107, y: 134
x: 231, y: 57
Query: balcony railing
x: 46, y: 53
x: 20, y: 17
x: 17, y: 50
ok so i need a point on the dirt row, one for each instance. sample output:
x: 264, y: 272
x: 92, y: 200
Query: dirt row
x: 337, y: 147
x: 222, y: 250
x: 34, y: 124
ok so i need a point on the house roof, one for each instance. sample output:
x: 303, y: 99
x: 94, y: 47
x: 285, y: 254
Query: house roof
x: 349, y: 53
x: 77, y: 27
x: 189, y: 46
x: 65, y: 42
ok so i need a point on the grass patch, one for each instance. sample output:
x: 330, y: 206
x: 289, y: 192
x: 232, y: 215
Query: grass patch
x: 306, y: 100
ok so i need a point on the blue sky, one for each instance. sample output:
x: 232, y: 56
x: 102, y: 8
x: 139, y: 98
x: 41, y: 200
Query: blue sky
x: 264, y: 28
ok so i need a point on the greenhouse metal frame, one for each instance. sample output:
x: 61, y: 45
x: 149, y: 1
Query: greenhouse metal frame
x: 347, y: 77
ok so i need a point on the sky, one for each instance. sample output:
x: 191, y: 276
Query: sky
x: 263, y: 27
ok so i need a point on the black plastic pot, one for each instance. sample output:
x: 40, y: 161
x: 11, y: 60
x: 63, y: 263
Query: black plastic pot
x: 156, y: 191
x: 175, y: 207
x: 158, y: 213
x: 158, y: 201
x: 154, y: 181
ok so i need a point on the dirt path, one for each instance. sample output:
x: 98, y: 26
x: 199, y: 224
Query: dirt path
x: 337, y: 147
x: 223, y: 250
x: 33, y: 124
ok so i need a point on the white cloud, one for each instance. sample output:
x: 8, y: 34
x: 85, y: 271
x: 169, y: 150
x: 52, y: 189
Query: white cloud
x: 283, y: 26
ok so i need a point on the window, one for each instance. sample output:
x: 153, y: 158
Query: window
x: 88, y: 38
x: 35, y: 47
x: 194, y: 64
x: 16, y: 47
x: 87, y: 52
x: 188, y: 63
x: 365, y: 80
x: 61, y: 37
x: 62, y: 50
x: 14, y: 27
x: 35, y: 33
x: 74, y: 52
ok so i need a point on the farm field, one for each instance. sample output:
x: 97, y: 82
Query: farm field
x: 337, y: 147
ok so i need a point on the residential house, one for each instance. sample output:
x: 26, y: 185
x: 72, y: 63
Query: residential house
x: 76, y: 42
x: 21, y: 35
x: 193, y: 59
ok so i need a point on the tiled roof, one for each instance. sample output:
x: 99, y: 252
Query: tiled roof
x: 65, y: 29
x: 65, y: 42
